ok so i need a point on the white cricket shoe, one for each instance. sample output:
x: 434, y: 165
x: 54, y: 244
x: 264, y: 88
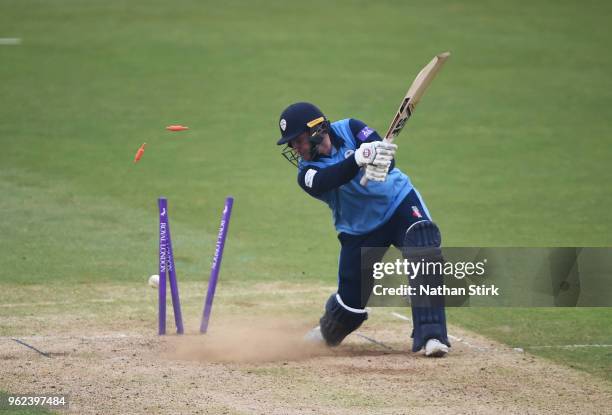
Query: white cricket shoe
x: 435, y: 348
x: 315, y: 337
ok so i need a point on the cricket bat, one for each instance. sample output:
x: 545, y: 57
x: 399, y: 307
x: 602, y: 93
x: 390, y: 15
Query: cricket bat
x: 412, y: 98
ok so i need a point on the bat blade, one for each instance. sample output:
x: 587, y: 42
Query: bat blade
x: 414, y: 95
x: 412, y: 98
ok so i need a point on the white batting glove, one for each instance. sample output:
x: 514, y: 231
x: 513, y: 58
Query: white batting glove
x: 385, y: 152
x: 365, y: 154
x: 376, y: 173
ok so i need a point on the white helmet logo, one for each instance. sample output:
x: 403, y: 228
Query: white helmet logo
x: 283, y: 124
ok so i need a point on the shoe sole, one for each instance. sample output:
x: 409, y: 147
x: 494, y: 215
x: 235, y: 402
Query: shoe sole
x: 437, y: 353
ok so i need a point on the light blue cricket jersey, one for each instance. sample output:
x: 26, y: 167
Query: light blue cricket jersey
x: 356, y: 209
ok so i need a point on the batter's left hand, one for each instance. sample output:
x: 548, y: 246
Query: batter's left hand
x: 377, y: 173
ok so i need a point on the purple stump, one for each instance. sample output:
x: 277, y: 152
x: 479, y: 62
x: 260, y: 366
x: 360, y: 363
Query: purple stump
x: 166, y: 266
x: 163, y: 226
x: 216, y: 263
x: 176, y: 302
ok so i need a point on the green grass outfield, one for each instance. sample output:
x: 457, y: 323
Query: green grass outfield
x: 510, y: 147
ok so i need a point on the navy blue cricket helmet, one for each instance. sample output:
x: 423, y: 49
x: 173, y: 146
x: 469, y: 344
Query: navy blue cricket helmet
x: 299, y: 118
x: 295, y: 120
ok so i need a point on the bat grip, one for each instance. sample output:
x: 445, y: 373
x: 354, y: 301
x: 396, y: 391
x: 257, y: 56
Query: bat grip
x: 364, y: 180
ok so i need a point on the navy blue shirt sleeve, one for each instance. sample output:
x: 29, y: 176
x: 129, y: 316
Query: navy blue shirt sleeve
x: 316, y: 181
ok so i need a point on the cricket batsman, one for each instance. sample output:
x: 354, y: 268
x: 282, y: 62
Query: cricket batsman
x: 331, y: 158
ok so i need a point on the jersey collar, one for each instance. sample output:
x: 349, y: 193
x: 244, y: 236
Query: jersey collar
x: 336, y: 143
x: 335, y: 139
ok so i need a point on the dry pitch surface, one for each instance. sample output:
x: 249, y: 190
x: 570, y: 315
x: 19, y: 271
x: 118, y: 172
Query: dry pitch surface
x: 106, y: 356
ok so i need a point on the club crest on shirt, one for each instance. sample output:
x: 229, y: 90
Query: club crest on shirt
x: 416, y: 212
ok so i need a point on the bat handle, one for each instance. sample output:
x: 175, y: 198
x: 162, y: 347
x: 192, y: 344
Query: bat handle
x: 364, y: 180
